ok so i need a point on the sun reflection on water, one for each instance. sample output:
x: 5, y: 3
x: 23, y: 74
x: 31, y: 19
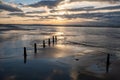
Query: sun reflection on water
x: 59, y: 33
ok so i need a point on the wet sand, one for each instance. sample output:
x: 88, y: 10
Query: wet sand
x: 76, y: 56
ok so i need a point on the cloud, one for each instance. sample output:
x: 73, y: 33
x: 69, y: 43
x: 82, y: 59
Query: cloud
x: 108, y: 18
x: 89, y: 8
x: 106, y: 15
x: 17, y: 14
x: 71, y: 10
x: 48, y: 3
x: 7, y: 7
x: 96, y: 0
x: 32, y: 12
x: 99, y: 16
x: 109, y: 7
x: 109, y: 12
x: 74, y: 9
x: 109, y: 15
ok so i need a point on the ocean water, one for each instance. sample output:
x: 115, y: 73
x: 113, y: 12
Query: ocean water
x: 78, y: 52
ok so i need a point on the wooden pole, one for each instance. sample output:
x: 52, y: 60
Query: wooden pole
x: 25, y: 55
x: 25, y: 52
x: 107, y: 63
x: 49, y: 42
x: 35, y: 48
x: 53, y: 40
x: 43, y: 43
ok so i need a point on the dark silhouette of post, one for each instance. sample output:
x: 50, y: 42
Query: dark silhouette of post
x: 25, y: 52
x: 43, y: 43
x: 53, y: 40
x: 49, y: 42
x: 25, y: 55
x: 35, y: 48
x: 107, y: 63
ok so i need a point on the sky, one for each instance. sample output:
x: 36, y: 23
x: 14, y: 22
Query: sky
x: 61, y: 12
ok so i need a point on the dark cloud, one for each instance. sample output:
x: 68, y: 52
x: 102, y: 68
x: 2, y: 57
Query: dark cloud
x: 32, y: 12
x: 108, y: 8
x: 48, y: 3
x: 108, y: 18
x: 106, y: 15
x: 17, y: 14
x: 89, y: 8
x: 53, y: 3
x: 9, y: 8
x: 74, y: 9
x: 28, y: 16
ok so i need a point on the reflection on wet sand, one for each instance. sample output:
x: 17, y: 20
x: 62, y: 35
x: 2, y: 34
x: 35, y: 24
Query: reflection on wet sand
x: 56, y: 74
x: 25, y: 59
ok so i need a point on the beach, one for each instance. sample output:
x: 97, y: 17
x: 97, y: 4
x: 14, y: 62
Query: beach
x: 80, y: 53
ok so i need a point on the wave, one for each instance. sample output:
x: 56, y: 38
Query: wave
x: 116, y: 48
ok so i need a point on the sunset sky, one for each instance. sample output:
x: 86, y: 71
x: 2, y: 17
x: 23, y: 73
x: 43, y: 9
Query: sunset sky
x: 72, y: 12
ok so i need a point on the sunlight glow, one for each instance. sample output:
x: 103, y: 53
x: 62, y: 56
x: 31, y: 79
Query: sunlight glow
x: 59, y: 18
x: 61, y: 13
x: 59, y: 33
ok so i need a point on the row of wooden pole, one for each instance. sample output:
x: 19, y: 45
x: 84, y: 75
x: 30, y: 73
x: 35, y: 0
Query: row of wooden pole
x: 107, y: 61
x: 54, y: 40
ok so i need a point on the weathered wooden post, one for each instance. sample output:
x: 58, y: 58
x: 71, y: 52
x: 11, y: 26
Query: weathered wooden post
x: 53, y: 39
x: 49, y: 42
x: 107, y: 63
x: 25, y: 52
x: 25, y: 55
x: 43, y: 43
x: 35, y: 48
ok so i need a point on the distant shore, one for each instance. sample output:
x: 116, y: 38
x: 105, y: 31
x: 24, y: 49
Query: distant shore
x: 11, y: 25
x: 6, y: 27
